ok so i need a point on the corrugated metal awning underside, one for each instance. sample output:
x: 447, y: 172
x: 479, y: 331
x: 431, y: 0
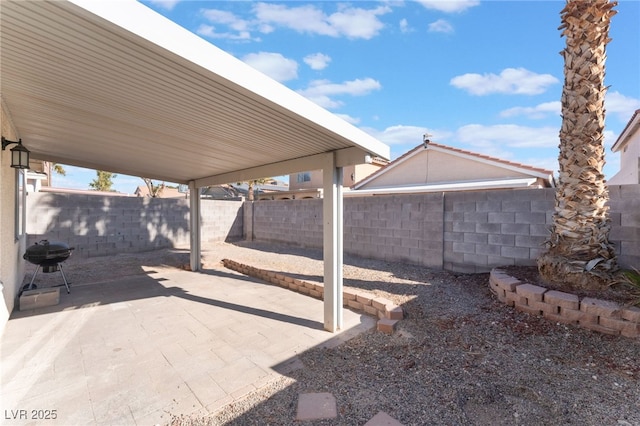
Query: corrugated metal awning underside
x: 115, y: 86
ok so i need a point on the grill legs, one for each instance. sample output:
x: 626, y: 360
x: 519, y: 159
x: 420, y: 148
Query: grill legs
x: 66, y: 284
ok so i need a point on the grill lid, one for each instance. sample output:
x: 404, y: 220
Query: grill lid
x: 45, y: 252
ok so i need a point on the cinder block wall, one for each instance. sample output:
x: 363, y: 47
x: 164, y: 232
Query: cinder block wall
x: 296, y: 222
x: 457, y: 231
x: 103, y: 225
x: 405, y: 228
x: 462, y: 232
x: 486, y: 229
x: 625, y: 223
x: 221, y: 220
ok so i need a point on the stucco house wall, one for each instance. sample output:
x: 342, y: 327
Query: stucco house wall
x: 432, y: 164
x: 12, y: 265
x: 437, y: 167
x: 628, y: 145
x: 350, y: 175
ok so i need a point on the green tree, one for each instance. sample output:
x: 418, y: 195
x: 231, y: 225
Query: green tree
x: 579, y: 254
x: 155, y: 190
x: 103, y: 181
x: 59, y: 169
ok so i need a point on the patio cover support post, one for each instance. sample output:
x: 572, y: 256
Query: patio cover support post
x: 332, y: 243
x: 194, y: 228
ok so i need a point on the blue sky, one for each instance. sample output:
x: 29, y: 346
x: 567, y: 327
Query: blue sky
x: 485, y: 76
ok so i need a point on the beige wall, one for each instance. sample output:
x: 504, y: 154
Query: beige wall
x: 11, y: 263
x: 350, y: 175
x: 629, y: 163
x: 430, y: 166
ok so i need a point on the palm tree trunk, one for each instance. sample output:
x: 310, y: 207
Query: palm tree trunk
x: 579, y: 252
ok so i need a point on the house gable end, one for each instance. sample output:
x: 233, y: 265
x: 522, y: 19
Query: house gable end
x: 437, y: 163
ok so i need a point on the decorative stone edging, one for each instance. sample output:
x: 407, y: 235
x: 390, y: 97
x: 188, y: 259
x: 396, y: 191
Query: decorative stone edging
x: 594, y: 314
x: 385, y: 310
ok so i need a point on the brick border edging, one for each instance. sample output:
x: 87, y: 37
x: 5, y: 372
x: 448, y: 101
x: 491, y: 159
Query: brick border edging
x: 385, y: 310
x: 594, y: 314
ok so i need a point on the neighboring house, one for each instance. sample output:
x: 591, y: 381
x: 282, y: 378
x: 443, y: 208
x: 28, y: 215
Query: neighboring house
x: 309, y: 184
x: 270, y: 190
x: 628, y: 145
x: 432, y: 167
x: 164, y: 192
x: 219, y: 192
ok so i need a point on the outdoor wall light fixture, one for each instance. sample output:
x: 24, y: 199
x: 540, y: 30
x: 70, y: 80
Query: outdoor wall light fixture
x: 19, y: 154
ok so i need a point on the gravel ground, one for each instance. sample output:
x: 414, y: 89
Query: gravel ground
x: 458, y: 358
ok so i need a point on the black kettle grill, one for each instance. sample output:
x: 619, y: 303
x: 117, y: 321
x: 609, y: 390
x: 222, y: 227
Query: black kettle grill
x: 48, y: 256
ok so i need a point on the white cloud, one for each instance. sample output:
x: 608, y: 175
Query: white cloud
x: 319, y: 91
x: 317, y: 61
x: 404, y: 26
x: 440, y: 26
x: 358, y: 23
x: 357, y: 87
x: 616, y: 104
x: 227, y: 18
x: 536, y: 112
x: 240, y: 27
x: 511, y: 81
x: 508, y: 135
x: 449, y: 6
x: 210, y: 32
x: 351, y: 22
x: 165, y: 4
x: 274, y: 65
x: 406, y: 135
x: 622, y: 106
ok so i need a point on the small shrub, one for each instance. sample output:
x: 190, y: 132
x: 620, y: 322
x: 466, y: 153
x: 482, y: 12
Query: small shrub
x: 631, y: 278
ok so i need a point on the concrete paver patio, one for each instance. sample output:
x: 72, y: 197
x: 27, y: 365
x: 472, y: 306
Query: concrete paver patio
x: 139, y: 349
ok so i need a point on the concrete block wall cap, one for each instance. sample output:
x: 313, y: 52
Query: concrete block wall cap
x: 531, y: 291
x: 563, y: 299
x: 349, y: 294
x: 396, y: 313
x: 504, y: 281
x: 364, y: 298
x: 381, y: 303
x: 631, y: 313
x: 601, y: 307
x: 387, y: 325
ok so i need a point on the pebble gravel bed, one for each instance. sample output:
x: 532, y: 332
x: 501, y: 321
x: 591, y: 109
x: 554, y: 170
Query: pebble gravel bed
x: 459, y: 357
